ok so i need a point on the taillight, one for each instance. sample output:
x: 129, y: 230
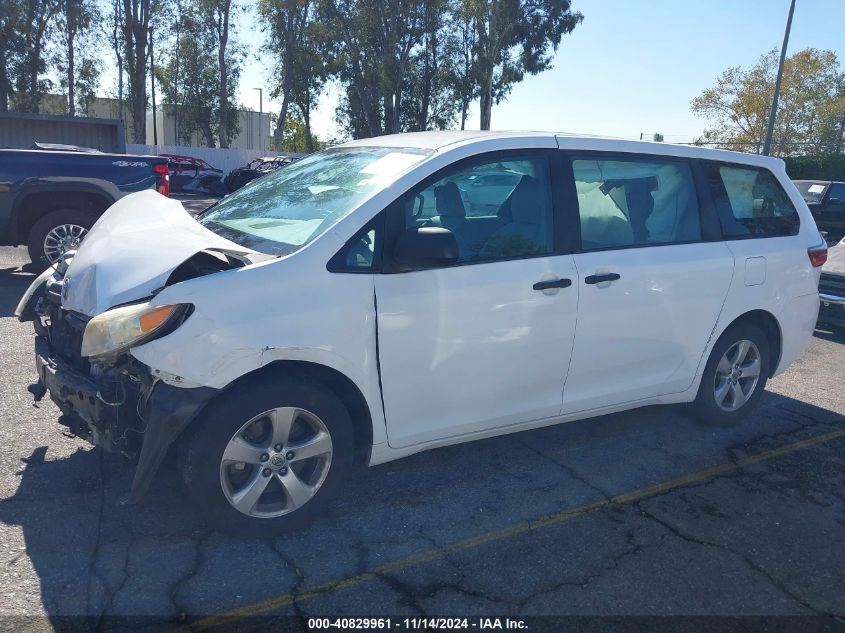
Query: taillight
x: 817, y: 255
x: 164, y: 183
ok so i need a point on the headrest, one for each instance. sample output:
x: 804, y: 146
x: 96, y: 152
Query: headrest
x: 447, y: 198
x: 526, y: 201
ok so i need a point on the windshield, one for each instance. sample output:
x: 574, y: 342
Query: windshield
x: 811, y: 191
x: 285, y: 210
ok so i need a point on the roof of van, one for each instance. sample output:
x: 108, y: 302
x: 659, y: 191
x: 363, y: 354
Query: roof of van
x: 442, y: 139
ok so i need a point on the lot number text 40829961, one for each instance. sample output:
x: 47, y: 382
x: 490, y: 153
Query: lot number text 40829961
x: 417, y: 624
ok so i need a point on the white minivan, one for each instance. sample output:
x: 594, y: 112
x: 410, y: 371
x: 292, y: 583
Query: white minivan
x: 401, y: 293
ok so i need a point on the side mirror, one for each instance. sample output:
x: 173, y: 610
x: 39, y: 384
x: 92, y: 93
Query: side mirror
x: 425, y: 247
x: 834, y: 201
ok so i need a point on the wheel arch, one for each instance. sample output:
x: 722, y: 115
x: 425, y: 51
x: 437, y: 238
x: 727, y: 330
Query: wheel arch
x: 770, y: 325
x: 340, y: 384
x: 33, y: 205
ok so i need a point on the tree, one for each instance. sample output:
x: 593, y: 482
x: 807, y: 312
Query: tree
x: 374, y: 42
x: 10, y: 44
x: 138, y: 16
x: 465, y: 66
x: 512, y: 38
x: 433, y: 75
x: 217, y: 16
x: 189, y: 79
x: 77, y: 67
x: 288, y: 25
x: 298, y: 138
x: 811, y: 110
x: 35, y: 21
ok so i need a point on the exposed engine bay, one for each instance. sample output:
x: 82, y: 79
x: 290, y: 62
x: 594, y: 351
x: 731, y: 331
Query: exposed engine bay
x: 114, y: 402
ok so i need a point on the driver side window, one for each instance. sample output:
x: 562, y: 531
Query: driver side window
x: 497, y: 209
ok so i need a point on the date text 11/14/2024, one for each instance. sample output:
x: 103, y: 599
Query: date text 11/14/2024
x: 417, y: 624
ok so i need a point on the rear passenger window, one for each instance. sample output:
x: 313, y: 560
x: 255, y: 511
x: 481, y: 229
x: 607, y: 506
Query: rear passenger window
x: 751, y: 203
x: 635, y: 203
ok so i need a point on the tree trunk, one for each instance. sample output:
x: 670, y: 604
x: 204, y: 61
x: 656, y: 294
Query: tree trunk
x: 71, y: 88
x: 224, y: 78
x: 486, y: 99
x: 207, y: 133
x: 4, y: 83
x: 138, y: 88
x: 279, y: 132
x: 306, y: 116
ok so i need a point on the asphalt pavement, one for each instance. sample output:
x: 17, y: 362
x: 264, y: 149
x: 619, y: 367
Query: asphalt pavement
x: 642, y: 513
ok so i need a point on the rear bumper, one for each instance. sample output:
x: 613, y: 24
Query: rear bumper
x: 831, y: 309
x: 797, y: 324
x: 135, y: 412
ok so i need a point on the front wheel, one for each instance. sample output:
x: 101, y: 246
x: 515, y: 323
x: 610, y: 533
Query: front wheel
x: 268, y: 456
x: 734, y: 377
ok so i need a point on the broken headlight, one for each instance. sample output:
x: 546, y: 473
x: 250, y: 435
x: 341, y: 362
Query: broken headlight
x: 118, y: 329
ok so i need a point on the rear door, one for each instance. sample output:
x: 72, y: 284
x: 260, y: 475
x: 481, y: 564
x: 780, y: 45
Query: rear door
x: 653, y: 279
x: 484, y: 343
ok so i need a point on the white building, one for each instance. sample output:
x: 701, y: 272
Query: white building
x: 254, y: 130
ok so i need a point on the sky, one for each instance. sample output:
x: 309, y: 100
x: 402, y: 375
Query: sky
x: 631, y: 67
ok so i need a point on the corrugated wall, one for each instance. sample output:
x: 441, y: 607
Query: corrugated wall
x: 20, y: 130
x: 223, y: 159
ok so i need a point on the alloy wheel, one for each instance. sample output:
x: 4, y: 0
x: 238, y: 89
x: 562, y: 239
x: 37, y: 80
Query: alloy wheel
x: 737, y: 375
x: 276, y: 462
x: 62, y: 238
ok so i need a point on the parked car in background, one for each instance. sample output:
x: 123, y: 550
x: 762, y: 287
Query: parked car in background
x: 328, y: 316
x: 832, y: 288
x: 257, y: 168
x: 50, y: 198
x: 826, y: 200
x: 194, y: 175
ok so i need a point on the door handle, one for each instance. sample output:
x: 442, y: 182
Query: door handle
x: 597, y: 279
x: 552, y: 283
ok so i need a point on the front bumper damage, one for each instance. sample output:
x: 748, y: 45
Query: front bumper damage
x: 118, y: 407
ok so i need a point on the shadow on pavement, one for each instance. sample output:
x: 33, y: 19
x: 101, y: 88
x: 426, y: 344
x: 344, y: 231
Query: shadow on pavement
x: 13, y: 282
x: 95, y: 556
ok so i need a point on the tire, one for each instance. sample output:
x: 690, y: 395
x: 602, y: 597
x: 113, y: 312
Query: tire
x: 54, y: 221
x: 236, y: 425
x: 719, y: 376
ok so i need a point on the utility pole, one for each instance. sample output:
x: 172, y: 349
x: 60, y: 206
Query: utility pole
x: 260, y: 115
x: 153, y: 89
x: 767, y: 146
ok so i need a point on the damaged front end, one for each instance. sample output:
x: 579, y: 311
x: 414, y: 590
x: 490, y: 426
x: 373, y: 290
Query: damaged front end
x: 112, y: 400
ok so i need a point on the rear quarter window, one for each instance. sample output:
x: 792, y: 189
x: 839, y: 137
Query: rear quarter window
x: 751, y: 202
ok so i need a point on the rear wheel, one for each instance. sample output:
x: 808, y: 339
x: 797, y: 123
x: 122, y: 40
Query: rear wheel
x: 268, y: 456
x: 57, y: 232
x: 734, y: 377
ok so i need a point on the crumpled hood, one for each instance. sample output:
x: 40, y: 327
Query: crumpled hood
x: 131, y: 251
x: 835, y: 260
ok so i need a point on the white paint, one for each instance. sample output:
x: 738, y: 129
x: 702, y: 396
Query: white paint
x: 468, y: 351
x: 132, y: 249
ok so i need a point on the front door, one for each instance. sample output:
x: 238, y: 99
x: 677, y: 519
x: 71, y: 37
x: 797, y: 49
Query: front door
x: 484, y: 343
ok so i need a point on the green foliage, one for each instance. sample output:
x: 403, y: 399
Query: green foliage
x: 827, y: 167
x: 515, y: 38
x: 189, y: 76
x: 811, y: 110
x: 296, y: 139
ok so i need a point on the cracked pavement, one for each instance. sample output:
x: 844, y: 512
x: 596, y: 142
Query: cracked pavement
x: 765, y: 539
